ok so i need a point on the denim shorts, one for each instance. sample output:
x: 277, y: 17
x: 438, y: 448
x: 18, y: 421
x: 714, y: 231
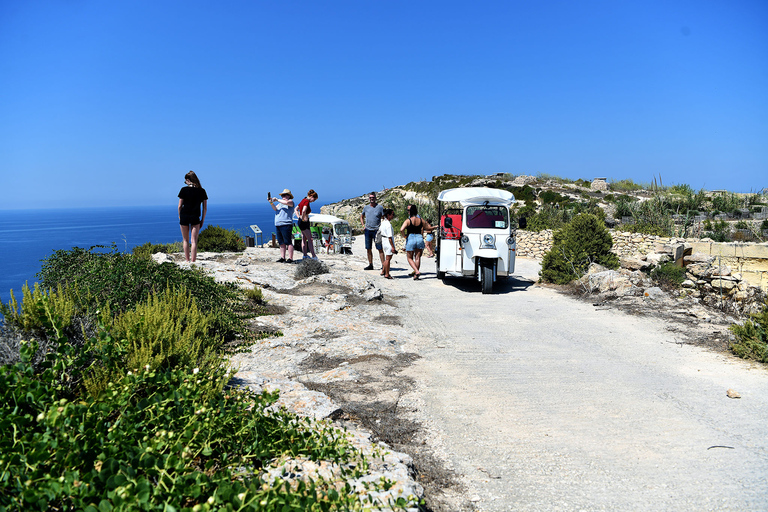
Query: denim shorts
x: 414, y: 242
x: 284, y: 235
x: 370, y: 235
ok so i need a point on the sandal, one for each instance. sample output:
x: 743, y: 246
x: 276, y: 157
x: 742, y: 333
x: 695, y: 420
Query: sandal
x: 389, y: 277
x: 416, y: 277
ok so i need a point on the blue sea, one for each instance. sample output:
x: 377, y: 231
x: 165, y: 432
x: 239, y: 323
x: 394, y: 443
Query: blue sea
x: 27, y: 236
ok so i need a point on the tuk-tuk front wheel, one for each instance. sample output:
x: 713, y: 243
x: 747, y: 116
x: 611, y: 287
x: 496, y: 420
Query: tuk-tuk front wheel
x: 486, y: 277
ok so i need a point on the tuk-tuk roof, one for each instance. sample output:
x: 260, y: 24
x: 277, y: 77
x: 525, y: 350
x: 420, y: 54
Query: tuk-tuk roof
x: 477, y: 195
x: 326, y: 219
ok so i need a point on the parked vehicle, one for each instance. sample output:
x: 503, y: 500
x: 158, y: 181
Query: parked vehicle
x: 340, y: 233
x: 476, y: 236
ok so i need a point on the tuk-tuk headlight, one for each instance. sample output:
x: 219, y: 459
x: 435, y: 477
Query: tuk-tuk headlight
x: 464, y: 239
x: 489, y: 241
x: 510, y: 240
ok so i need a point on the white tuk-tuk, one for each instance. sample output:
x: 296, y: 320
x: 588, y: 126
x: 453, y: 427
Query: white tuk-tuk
x: 478, y: 239
x: 329, y: 229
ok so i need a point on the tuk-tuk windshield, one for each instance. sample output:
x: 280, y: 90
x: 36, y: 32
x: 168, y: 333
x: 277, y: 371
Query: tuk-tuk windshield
x: 341, y: 229
x: 494, y: 217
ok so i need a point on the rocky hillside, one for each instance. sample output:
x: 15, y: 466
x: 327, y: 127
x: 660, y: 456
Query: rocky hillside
x: 547, y: 202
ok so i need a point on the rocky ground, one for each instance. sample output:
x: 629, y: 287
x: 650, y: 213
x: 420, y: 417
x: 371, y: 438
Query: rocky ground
x: 343, y: 355
x: 338, y: 356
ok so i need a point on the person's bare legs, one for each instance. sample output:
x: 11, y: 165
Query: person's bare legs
x: 193, y: 240
x: 370, y: 257
x: 417, y: 260
x: 385, y: 267
x: 411, y: 262
x: 185, y: 243
x: 381, y: 255
x: 310, y: 246
x: 290, y: 251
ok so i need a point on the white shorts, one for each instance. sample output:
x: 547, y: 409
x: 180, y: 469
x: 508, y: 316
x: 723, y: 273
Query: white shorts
x: 386, y: 246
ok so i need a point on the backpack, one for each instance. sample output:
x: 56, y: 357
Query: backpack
x: 377, y: 239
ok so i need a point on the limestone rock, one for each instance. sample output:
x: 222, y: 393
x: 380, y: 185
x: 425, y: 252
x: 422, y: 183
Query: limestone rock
x: 723, y: 284
x: 654, y: 293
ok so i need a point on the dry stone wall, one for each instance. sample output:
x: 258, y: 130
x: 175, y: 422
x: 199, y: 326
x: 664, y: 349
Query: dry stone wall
x: 748, y: 259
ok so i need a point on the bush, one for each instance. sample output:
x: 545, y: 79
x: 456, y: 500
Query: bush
x: 646, y: 229
x: 668, y: 274
x: 148, y: 249
x: 157, y: 441
x: 218, y: 239
x: 582, y: 241
x: 121, y: 281
x: 752, y: 337
x: 309, y: 267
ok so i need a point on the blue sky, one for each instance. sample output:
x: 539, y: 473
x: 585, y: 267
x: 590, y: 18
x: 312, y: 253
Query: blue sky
x: 110, y: 103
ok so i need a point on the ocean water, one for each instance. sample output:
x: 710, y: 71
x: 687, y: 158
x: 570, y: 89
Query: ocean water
x: 27, y: 236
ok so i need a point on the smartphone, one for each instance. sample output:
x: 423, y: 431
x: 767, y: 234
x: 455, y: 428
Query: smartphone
x: 269, y: 196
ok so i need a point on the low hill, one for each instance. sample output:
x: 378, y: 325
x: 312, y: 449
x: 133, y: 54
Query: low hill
x: 547, y: 202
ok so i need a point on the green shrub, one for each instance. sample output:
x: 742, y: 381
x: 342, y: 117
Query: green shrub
x: 764, y: 225
x: 752, y: 337
x: 148, y: 249
x: 158, y: 441
x: 121, y: 281
x: 742, y: 224
x: 625, y: 186
x: 550, y: 196
x: 582, y: 241
x: 668, y: 274
x: 548, y: 217
x: 218, y: 239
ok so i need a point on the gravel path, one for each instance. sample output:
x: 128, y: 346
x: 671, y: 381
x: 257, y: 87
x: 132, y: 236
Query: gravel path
x: 543, y: 402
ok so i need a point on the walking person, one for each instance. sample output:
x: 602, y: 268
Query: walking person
x: 413, y: 231
x: 387, y: 241
x: 302, y: 212
x: 371, y: 220
x: 284, y: 223
x: 191, y: 196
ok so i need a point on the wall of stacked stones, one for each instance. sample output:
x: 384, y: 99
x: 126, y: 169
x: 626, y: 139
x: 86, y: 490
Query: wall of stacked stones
x: 748, y: 259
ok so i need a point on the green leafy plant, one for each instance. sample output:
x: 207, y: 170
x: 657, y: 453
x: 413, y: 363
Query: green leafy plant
x: 668, y: 275
x: 148, y: 249
x: 218, y: 239
x: 752, y: 337
x: 121, y: 281
x: 584, y: 240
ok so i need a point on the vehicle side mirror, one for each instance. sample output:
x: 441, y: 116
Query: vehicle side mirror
x: 522, y: 223
x: 448, y: 222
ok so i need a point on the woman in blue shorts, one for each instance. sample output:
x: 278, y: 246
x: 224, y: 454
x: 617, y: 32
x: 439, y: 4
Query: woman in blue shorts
x: 413, y: 231
x: 284, y: 224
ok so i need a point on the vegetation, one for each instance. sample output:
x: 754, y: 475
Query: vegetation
x: 218, y: 239
x: 668, y: 275
x: 752, y: 337
x: 120, y: 401
x: 148, y: 249
x: 120, y: 282
x: 582, y: 241
x: 309, y: 267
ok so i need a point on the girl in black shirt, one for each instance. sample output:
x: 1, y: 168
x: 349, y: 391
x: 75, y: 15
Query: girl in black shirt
x: 190, y: 199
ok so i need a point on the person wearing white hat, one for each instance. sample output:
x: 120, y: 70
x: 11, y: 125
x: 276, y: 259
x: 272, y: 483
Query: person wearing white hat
x: 283, y: 223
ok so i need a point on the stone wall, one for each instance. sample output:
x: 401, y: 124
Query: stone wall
x: 748, y: 259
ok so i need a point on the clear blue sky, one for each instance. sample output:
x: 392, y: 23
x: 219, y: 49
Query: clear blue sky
x: 111, y: 102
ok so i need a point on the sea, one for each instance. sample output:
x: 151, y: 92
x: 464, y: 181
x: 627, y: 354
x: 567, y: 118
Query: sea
x: 28, y: 236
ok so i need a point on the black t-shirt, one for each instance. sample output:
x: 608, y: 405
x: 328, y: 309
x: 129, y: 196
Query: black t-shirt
x: 192, y: 198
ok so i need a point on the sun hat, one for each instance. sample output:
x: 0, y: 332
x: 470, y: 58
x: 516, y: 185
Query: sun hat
x: 286, y: 192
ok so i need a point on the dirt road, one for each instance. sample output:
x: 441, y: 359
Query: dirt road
x: 543, y: 402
